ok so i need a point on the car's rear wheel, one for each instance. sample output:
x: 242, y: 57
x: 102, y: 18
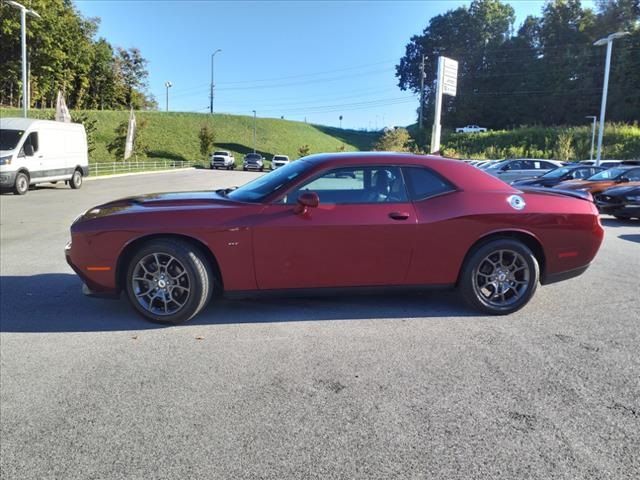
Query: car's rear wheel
x: 76, y: 180
x: 500, y: 277
x: 169, y: 281
x: 22, y: 184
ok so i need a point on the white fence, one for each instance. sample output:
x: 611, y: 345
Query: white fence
x: 112, y: 168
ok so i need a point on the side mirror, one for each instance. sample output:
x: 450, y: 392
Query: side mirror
x: 623, y: 180
x: 307, y: 200
x: 28, y: 150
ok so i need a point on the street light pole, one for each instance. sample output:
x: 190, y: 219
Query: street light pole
x: 168, y: 85
x: 254, y: 131
x: 212, y: 82
x: 23, y: 22
x: 593, y: 133
x: 609, y: 42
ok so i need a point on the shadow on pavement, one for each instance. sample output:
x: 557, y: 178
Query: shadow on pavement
x: 54, y: 303
x: 631, y: 237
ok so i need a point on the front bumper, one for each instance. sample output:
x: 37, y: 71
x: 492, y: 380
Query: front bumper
x: 94, y: 282
x: 617, y: 207
x: 7, y: 179
x: 253, y: 166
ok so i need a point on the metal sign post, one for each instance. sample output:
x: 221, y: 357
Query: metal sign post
x: 446, y: 83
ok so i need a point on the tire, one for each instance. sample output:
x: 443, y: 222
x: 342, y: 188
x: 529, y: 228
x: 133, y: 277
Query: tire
x: 261, y: 169
x: 180, y: 263
x: 499, y: 277
x: 244, y: 168
x: 76, y: 180
x: 21, y: 185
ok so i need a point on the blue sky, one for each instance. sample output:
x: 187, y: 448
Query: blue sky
x: 306, y: 59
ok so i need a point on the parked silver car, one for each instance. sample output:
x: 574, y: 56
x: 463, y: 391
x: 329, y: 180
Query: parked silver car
x: 517, y: 169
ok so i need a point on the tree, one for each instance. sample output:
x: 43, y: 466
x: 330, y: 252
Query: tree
x: 63, y: 55
x: 207, y: 137
x: 304, y: 150
x: 394, y: 140
x: 90, y: 128
x: 548, y: 72
x: 140, y: 147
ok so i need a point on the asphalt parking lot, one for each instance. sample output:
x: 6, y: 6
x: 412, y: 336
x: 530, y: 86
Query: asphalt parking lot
x: 399, y: 386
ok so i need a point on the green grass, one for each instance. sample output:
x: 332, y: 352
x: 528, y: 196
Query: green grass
x: 174, y: 136
x: 621, y: 142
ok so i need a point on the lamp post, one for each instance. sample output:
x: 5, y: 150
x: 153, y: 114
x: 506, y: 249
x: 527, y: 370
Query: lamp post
x: 593, y: 133
x: 23, y: 22
x: 254, y: 131
x: 168, y: 85
x: 212, y: 82
x: 608, y: 41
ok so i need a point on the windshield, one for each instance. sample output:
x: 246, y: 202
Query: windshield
x: 279, y: 157
x: 221, y: 154
x: 9, y: 138
x: 262, y: 186
x: 494, y: 165
x: 557, y: 172
x: 607, y: 174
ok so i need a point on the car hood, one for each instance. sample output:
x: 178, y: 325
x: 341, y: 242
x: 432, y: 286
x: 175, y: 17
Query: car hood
x: 578, y: 184
x: 535, y: 181
x: 632, y: 188
x: 155, y: 201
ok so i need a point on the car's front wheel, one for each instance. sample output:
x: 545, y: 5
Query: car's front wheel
x: 499, y: 277
x: 22, y: 184
x: 169, y: 281
x: 76, y: 180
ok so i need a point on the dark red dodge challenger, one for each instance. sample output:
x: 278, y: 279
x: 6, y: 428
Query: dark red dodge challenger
x: 335, y: 221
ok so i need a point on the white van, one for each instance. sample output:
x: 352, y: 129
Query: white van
x: 37, y: 151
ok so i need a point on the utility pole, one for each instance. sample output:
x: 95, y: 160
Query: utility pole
x: 212, y: 83
x: 593, y: 133
x: 421, y: 90
x: 23, y: 22
x: 608, y: 41
x: 254, y: 131
x: 168, y: 85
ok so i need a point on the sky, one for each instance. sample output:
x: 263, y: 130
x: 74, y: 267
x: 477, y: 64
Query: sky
x: 302, y: 60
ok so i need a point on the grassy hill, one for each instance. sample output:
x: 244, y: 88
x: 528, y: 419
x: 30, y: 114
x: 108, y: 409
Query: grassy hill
x: 175, y: 135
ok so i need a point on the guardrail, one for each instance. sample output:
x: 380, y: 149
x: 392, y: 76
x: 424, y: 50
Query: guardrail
x: 112, y: 168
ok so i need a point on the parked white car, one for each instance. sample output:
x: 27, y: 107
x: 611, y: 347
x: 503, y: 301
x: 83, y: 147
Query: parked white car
x: 38, y: 151
x: 279, y: 161
x: 470, y: 129
x: 223, y: 159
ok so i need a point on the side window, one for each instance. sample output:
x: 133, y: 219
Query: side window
x: 633, y: 175
x: 348, y: 185
x: 32, y: 140
x: 424, y: 183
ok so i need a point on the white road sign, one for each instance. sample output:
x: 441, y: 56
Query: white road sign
x: 449, y: 77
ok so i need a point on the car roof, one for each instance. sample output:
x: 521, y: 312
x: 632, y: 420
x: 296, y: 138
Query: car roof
x: 16, y: 123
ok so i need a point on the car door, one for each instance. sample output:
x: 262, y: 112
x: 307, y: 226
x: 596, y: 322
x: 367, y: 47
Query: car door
x: 360, y: 234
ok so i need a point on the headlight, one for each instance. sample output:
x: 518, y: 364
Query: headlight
x: 6, y: 160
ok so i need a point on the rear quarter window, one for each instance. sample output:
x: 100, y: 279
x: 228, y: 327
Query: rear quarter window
x: 423, y: 183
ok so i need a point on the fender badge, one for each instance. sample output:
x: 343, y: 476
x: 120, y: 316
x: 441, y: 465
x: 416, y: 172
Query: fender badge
x: 516, y: 202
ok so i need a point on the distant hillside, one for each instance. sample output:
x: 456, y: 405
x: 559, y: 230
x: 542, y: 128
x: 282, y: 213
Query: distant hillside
x: 175, y: 135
